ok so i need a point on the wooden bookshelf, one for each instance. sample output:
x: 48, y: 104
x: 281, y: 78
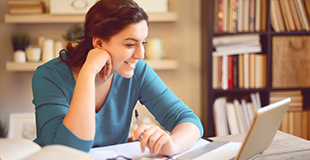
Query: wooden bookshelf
x: 164, y: 64
x: 209, y: 94
x: 48, y: 18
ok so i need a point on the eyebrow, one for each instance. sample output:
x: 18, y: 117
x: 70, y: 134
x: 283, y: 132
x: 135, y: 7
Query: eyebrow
x: 133, y: 39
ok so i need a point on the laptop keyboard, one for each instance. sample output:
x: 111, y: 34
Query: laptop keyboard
x: 224, y: 152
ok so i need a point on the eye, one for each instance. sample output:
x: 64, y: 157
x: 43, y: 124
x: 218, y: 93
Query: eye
x: 144, y: 43
x: 130, y: 44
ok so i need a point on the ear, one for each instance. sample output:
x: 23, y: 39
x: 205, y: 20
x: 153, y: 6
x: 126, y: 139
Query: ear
x: 98, y: 42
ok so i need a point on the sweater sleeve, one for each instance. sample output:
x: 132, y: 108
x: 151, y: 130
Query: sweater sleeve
x: 51, y: 97
x: 166, y: 107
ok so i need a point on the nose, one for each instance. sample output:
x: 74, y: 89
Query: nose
x: 139, y: 52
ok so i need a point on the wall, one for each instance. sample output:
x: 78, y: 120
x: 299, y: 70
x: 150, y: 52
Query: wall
x: 181, y: 41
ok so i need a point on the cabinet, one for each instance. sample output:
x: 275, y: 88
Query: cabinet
x: 209, y: 94
x: 165, y: 64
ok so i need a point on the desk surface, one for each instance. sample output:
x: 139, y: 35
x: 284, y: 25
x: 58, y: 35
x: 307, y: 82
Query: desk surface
x: 284, y: 146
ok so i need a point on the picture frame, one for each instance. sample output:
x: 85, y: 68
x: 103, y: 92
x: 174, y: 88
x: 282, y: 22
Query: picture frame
x: 22, y: 126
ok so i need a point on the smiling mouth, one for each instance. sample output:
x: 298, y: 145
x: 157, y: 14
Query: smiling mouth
x: 133, y: 64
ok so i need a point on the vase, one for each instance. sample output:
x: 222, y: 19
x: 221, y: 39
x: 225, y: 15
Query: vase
x: 19, y: 56
x: 154, y: 49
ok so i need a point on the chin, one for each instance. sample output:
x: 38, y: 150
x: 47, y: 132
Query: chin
x: 126, y: 75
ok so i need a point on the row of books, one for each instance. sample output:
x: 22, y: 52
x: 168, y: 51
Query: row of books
x: 235, y: 116
x: 240, y: 15
x: 290, y: 15
x: 295, y: 95
x: 297, y: 123
x: 25, y: 6
x: 239, y: 71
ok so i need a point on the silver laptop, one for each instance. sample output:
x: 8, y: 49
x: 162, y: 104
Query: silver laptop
x: 259, y: 137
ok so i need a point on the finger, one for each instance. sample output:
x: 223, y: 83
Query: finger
x: 109, y: 67
x: 153, y: 139
x: 142, y: 128
x: 101, y: 74
x: 160, y: 142
x: 145, y: 140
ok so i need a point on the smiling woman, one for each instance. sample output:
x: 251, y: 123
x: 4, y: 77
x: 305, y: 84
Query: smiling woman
x: 86, y: 96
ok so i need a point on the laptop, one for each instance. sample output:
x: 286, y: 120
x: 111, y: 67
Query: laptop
x: 258, y: 138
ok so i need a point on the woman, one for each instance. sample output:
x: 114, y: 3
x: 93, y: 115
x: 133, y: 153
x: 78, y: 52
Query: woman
x: 86, y: 96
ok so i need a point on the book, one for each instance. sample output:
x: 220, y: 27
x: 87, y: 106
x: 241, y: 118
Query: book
x: 21, y: 2
x: 289, y: 15
x: 240, y: 15
x: 258, y: 15
x: 246, y: 115
x: 284, y: 123
x: 295, y: 15
x: 28, y: 150
x: 215, y: 72
x: 220, y: 16
x: 246, y: 17
x: 26, y: 10
x: 241, y: 71
x: 298, y: 10
x: 304, y: 124
x: 225, y: 72
x: 235, y: 71
x: 276, y: 17
x: 264, y: 15
x: 252, y: 71
x: 244, y: 50
x: 297, y: 123
x: 246, y: 72
x: 215, y: 20
x: 220, y: 70
x: 240, y: 116
x: 260, y: 70
x: 284, y: 14
x: 252, y: 16
x: 220, y: 119
x: 225, y: 15
x: 230, y: 72
x: 303, y: 14
x: 232, y: 118
x: 307, y: 7
x: 291, y: 123
x: 233, y: 16
x: 235, y: 39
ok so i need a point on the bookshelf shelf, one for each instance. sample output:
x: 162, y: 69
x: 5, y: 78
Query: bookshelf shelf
x: 48, y: 18
x: 165, y: 64
x: 209, y: 32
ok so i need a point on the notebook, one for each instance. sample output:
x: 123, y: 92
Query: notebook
x: 258, y: 138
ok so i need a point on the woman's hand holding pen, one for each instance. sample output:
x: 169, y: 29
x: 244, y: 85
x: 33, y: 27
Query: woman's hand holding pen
x: 157, y: 140
x: 100, y: 63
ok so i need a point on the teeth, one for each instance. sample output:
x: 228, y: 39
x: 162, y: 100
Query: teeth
x: 130, y: 63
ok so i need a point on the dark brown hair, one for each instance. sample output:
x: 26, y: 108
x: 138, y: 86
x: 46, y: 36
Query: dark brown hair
x: 104, y: 19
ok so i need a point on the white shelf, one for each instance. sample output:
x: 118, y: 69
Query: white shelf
x: 48, y: 18
x: 165, y: 64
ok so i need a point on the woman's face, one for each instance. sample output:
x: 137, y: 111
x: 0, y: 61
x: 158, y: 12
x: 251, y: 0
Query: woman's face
x: 127, y: 48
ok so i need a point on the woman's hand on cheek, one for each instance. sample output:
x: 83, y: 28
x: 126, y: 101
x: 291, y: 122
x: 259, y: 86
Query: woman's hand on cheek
x: 157, y: 140
x: 99, y: 61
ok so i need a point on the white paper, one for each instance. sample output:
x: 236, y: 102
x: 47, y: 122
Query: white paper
x: 132, y: 150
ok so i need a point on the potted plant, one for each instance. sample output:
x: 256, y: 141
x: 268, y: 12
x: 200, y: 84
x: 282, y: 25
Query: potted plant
x: 2, y: 129
x: 20, y: 42
x: 74, y: 34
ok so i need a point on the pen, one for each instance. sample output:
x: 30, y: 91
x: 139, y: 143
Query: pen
x: 138, y: 121
x: 137, y: 117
